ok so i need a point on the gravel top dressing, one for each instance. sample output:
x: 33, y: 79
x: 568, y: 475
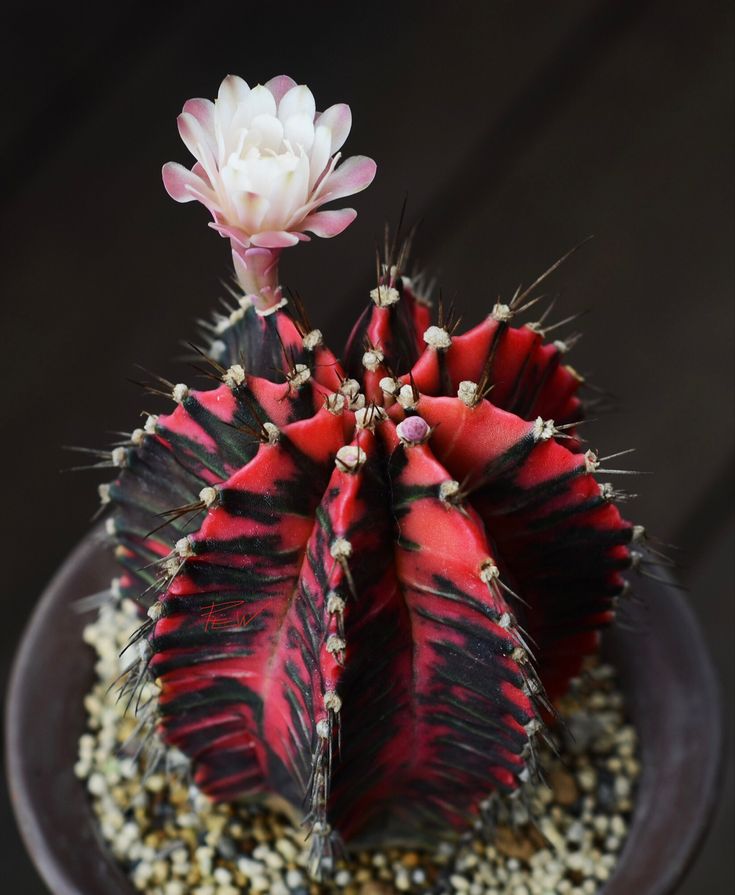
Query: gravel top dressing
x: 564, y: 836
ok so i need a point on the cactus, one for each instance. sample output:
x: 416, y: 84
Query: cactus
x: 366, y: 580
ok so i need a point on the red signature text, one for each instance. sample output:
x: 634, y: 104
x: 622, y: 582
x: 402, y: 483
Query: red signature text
x: 227, y: 615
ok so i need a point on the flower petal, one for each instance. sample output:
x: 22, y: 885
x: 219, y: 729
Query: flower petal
x: 259, y: 102
x: 201, y: 173
x: 329, y: 223
x: 291, y: 194
x: 319, y: 155
x: 232, y: 91
x: 352, y: 176
x: 298, y: 100
x: 338, y: 119
x: 299, y: 131
x: 238, y: 237
x: 251, y: 209
x: 279, y: 86
x: 203, y: 111
x: 266, y: 131
x: 274, y: 239
x: 180, y: 181
x: 197, y: 142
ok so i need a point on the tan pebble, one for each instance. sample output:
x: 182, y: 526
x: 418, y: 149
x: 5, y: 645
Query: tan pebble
x: 160, y: 871
x: 563, y: 786
x: 174, y: 888
x: 514, y: 844
x: 155, y: 783
x: 287, y: 849
x: 587, y: 778
x: 402, y: 881
x: 375, y: 888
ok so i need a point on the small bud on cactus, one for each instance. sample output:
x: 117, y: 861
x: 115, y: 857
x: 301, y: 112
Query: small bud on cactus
x: 372, y: 574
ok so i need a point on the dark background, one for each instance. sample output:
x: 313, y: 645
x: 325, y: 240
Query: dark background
x: 517, y: 129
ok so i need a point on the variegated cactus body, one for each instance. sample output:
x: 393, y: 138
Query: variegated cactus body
x: 365, y: 578
x: 364, y: 566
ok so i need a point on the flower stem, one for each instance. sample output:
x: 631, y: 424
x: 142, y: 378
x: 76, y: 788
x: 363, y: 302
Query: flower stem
x: 256, y: 270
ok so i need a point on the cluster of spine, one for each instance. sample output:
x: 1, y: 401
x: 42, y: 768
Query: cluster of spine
x: 366, y: 580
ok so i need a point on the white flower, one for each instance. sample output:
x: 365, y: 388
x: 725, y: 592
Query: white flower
x: 266, y: 161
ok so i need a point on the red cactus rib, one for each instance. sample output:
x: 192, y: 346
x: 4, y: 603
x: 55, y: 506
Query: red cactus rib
x: 346, y: 606
x: 452, y: 719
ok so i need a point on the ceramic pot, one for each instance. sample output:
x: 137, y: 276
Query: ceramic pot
x: 664, y: 667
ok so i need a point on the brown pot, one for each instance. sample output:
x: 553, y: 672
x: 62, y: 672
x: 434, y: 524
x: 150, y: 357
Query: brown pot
x: 660, y: 654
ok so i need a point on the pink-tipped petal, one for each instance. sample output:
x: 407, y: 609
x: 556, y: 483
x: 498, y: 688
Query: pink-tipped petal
x: 180, y: 182
x: 352, y: 176
x: 196, y: 141
x: 338, y: 119
x: 229, y: 232
x: 279, y: 86
x: 203, y: 111
x: 201, y: 173
x: 274, y: 239
x: 329, y: 223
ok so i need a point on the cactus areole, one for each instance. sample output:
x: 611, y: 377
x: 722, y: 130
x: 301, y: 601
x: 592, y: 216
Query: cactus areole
x: 366, y: 579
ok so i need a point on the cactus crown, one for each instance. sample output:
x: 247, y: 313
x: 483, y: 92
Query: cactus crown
x: 366, y: 579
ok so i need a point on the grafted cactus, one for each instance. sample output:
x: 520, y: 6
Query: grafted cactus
x: 368, y: 579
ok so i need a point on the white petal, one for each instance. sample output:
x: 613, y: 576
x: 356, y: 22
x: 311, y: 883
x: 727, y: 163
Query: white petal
x: 338, y: 119
x: 319, y: 155
x: 259, y: 102
x: 257, y: 175
x: 298, y: 100
x: 251, y: 210
x: 279, y: 86
x: 299, y: 131
x: 266, y: 132
x: 290, y: 195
